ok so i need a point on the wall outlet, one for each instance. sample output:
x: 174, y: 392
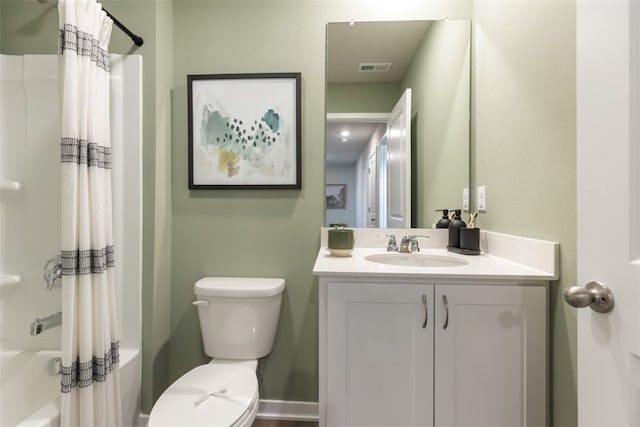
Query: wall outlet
x: 465, y: 199
x: 482, y: 198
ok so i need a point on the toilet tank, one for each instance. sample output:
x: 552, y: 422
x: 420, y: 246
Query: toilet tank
x: 238, y: 316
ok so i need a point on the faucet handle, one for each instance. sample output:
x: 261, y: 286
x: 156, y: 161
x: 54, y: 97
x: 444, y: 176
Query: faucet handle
x: 52, y: 271
x: 413, y: 239
x: 392, y: 246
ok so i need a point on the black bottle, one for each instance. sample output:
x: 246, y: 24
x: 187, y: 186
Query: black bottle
x: 454, y: 229
x: 444, y: 221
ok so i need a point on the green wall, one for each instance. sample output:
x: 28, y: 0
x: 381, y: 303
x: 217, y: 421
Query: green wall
x: 256, y: 233
x: 523, y: 150
x: 524, y: 144
x: 439, y: 78
x: 362, y: 97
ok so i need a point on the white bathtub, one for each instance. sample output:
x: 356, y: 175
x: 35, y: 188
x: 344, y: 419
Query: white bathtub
x: 30, y: 390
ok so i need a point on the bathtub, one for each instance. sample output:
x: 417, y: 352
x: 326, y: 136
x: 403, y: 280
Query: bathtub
x: 30, y: 391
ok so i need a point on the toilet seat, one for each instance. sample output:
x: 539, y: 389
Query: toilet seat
x: 209, y: 395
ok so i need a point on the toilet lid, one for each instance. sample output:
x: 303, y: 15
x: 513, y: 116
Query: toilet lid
x: 208, y: 395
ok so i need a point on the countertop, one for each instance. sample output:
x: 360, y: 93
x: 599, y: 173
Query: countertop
x: 479, y: 268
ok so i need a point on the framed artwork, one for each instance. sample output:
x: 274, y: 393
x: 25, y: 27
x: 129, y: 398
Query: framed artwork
x: 336, y: 195
x: 244, y: 131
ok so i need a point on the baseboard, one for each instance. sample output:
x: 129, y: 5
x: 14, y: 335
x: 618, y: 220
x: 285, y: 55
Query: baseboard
x: 288, y: 410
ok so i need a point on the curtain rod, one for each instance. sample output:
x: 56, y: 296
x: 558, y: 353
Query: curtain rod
x: 137, y: 40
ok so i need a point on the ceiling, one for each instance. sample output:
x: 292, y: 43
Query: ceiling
x: 392, y: 42
x: 347, y: 153
x: 348, y: 46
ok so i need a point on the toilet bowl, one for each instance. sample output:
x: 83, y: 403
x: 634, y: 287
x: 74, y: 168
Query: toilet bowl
x: 209, y: 395
x: 238, y: 321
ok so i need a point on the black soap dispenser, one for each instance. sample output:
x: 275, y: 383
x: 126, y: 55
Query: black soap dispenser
x: 444, y: 221
x: 454, y: 229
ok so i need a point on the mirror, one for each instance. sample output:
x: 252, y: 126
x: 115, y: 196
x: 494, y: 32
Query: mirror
x: 369, y: 65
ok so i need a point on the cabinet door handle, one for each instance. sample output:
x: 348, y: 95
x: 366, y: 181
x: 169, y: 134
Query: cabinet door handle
x: 446, y: 312
x: 426, y: 311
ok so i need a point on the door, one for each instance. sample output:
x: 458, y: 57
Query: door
x: 382, y: 183
x: 490, y: 357
x: 399, y: 163
x: 372, y: 190
x: 608, y: 209
x: 379, y: 355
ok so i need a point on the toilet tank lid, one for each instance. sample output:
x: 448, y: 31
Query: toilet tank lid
x: 239, y: 287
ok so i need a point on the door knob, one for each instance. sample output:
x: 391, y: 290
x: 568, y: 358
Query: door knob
x: 595, y: 295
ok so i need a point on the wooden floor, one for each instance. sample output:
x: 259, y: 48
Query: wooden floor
x: 279, y: 423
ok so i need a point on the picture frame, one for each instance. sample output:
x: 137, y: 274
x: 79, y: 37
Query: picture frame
x: 244, y: 131
x: 336, y: 196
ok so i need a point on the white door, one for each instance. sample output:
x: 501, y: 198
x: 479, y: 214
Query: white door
x: 382, y: 183
x: 399, y: 164
x: 372, y: 190
x: 379, y: 355
x: 608, y: 209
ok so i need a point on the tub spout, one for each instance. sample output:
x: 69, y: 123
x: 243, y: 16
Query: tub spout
x: 41, y: 325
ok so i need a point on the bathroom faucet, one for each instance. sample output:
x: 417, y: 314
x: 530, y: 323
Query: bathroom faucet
x: 41, y: 325
x: 409, y: 244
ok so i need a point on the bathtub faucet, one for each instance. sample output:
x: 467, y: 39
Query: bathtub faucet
x: 41, y: 325
x: 52, y: 271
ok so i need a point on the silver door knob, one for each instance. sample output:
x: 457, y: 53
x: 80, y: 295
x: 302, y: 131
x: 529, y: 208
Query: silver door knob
x: 595, y: 295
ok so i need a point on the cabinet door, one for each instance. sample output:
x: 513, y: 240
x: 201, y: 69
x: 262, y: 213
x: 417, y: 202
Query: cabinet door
x: 379, y: 355
x: 491, y: 356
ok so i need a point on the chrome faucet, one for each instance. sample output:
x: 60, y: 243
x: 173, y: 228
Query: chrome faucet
x: 409, y: 244
x: 41, y: 325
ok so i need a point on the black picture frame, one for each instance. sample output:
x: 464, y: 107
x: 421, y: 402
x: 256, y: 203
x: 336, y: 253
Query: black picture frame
x: 244, y: 131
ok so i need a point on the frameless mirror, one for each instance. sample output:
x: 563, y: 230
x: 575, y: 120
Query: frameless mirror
x: 370, y: 68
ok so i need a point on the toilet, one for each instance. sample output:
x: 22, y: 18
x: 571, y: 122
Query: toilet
x: 238, y: 322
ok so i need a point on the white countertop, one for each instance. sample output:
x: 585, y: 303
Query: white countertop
x: 480, y: 267
x: 504, y: 258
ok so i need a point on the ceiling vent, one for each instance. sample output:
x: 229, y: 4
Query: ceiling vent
x: 374, y: 67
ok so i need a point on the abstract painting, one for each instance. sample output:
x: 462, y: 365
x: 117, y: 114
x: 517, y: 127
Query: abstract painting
x: 244, y: 131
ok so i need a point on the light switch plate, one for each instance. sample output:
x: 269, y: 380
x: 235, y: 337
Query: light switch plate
x: 482, y: 198
x: 465, y: 199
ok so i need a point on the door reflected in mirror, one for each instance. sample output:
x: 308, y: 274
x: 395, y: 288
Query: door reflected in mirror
x: 401, y: 167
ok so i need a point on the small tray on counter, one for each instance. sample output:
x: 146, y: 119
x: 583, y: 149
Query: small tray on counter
x: 463, y: 251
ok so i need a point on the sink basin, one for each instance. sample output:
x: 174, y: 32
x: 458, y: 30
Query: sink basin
x: 416, y: 260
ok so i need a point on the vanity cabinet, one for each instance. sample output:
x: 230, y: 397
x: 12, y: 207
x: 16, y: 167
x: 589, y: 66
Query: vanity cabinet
x: 412, y: 353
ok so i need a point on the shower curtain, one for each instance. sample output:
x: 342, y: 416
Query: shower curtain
x: 90, y: 372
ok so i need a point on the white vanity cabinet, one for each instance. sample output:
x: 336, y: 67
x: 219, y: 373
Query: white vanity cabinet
x: 413, y: 352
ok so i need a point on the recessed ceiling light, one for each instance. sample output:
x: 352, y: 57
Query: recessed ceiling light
x: 345, y: 133
x: 344, y: 139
